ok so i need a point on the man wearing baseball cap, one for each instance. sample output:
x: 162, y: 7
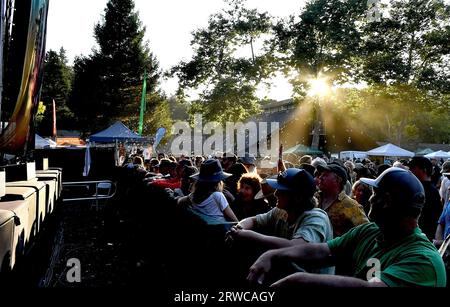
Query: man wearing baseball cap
x: 422, y: 168
x: 344, y: 212
x: 444, y: 190
x: 294, y: 221
x: 392, y: 251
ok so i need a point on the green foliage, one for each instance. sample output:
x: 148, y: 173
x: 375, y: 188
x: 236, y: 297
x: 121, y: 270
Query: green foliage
x: 157, y: 115
x: 433, y: 125
x: 228, y: 101
x: 226, y: 79
x: 410, y: 45
x: 323, y: 40
x: 403, y: 57
x: 56, y: 85
x: 40, y: 112
x: 108, y: 83
x: 86, y: 96
x: 398, y: 113
x: 178, y: 110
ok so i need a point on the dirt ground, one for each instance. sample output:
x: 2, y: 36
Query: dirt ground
x: 81, y: 234
x: 105, y: 243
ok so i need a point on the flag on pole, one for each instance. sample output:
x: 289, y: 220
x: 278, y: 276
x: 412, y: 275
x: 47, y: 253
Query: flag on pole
x: 87, y: 160
x: 159, y: 136
x: 54, y: 120
x: 144, y: 93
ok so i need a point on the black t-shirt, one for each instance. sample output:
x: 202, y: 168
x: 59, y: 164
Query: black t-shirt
x: 435, y: 175
x: 431, y: 211
x: 248, y: 209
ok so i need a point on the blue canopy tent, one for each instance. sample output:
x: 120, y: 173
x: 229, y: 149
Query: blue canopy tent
x: 117, y: 132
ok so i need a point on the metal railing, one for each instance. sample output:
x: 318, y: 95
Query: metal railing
x: 91, y: 190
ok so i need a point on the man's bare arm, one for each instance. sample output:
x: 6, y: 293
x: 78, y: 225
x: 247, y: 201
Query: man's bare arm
x: 268, y: 242
x: 313, y: 254
x: 318, y: 280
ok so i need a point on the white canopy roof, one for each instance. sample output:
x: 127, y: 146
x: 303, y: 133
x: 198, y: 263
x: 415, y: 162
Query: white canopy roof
x: 40, y: 142
x: 390, y: 150
x: 352, y: 154
x: 438, y: 155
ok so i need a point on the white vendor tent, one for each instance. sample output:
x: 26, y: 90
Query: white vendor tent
x: 438, y: 155
x: 352, y: 154
x: 390, y: 150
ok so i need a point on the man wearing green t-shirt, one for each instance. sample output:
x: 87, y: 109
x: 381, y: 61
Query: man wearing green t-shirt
x: 391, y: 252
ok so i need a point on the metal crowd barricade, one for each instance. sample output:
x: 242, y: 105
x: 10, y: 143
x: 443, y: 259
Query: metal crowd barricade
x: 91, y: 190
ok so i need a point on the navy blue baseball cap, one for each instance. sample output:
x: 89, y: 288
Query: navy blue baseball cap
x: 294, y: 180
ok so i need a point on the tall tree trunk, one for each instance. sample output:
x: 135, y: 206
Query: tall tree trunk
x: 251, y: 46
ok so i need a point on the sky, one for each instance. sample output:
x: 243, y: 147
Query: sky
x: 169, y: 25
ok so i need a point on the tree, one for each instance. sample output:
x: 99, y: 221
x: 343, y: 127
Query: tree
x: 226, y: 80
x: 86, y: 96
x: 403, y: 57
x: 178, y: 110
x: 157, y: 115
x: 396, y: 113
x: 432, y: 126
x: 108, y: 84
x: 57, y: 85
x: 230, y: 100
x: 411, y: 45
x: 322, y: 41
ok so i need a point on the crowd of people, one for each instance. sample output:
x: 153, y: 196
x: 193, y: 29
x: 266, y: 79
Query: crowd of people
x: 319, y: 222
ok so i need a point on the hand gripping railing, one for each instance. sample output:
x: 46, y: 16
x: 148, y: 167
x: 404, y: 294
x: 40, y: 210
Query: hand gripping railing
x: 91, y: 190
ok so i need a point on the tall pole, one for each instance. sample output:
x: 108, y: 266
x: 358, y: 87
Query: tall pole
x: 54, y: 131
x: 143, y: 103
x: 317, y: 125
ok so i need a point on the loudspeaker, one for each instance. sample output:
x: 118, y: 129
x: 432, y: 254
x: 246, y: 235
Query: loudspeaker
x: 20, y: 172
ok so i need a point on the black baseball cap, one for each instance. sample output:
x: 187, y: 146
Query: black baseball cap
x: 335, y: 168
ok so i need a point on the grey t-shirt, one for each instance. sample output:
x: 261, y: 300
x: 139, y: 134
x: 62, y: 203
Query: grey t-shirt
x: 211, y: 209
x: 313, y: 226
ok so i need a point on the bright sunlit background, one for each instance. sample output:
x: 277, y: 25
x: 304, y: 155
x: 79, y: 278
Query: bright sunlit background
x: 319, y: 87
x: 169, y: 25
